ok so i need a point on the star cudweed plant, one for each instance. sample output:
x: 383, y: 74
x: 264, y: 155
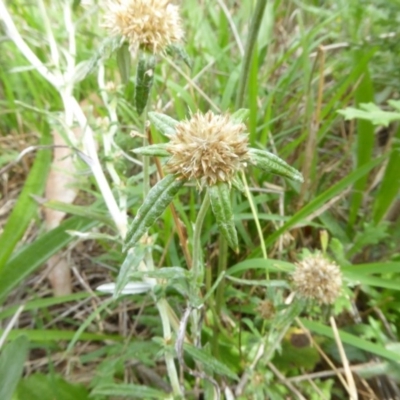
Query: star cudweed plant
x: 211, y: 150
x: 143, y: 28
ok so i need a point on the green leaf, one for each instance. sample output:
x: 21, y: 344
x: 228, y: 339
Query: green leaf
x: 153, y: 206
x: 51, y: 335
x: 365, y: 140
x: 154, y: 150
x: 12, y: 360
x: 370, y: 112
x: 89, y: 212
x: 177, y: 50
x: 222, y: 209
x: 105, y: 49
x: 209, y: 361
x: 144, y: 81
x: 352, y: 340
x: 163, y: 123
x: 127, y: 390
x: 131, y: 263
x: 271, y: 163
x: 320, y: 200
x: 124, y: 62
x: 50, y: 387
x: 390, y: 184
x: 240, y: 115
x: 26, y: 207
x: 33, y: 256
x: 269, y: 265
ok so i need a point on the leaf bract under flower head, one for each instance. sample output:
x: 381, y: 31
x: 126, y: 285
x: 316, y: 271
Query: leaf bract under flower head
x: 271, y: 163
x: 220, y: 200
x: 153, y: 206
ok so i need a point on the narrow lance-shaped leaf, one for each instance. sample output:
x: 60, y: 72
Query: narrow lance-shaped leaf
x: 144, y: 81
x: 130, y: 265
x: 163, y: 123
x: 180, y: 52
x: 271, y: 163
x: 154, y: 150
x: 221, y: 206
x: 12, y: 361
x: 105, y: 49
x: 153, y: 206
x: 124, y: 62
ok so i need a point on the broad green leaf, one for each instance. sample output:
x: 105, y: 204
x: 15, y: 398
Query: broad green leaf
x: 240, y: 115
x: 131, y: 263
x: 348, y: 338
x: 209, y: 361
x: 153, y: 206
x: 124, y: 62
x: 50, y: 387
x: 271, y: 163
x: 144, y: 80
x: 33, y: 256
x: 12, y: 359
x: 163, y: 123
x: 220, y: 200
x: 370, y: 112
x: 128, y: 391
x: 26, y: 207
x: 155, y: 150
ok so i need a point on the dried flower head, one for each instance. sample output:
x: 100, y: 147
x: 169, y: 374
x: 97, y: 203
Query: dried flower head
x: 318, y: 279
x: 209, y: 148
x: 266, y: 309
x: 149, y: 24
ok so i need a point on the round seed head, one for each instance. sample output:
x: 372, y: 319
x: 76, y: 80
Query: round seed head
x: 149, y: 24
x: 209, y: 148
x: 318, y: 279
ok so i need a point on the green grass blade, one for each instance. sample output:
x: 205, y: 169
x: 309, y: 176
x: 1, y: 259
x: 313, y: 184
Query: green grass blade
x: 50, y: 335
x: 30, y: 258
x: 26, y: 207
x: 12, y: 361
x: 319, y: 201
x: 365, y: 143
x: 390, y: 183
x: 352, y: 340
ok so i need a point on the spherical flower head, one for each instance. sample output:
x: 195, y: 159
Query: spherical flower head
x: 318, y: 279
x: 208, y: 148
x: 148, y: 24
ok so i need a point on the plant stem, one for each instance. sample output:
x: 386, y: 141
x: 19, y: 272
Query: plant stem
x: 248, y: 55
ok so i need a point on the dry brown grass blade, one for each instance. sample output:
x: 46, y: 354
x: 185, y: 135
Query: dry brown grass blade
x: 59, y: 187
x: 352, y: 389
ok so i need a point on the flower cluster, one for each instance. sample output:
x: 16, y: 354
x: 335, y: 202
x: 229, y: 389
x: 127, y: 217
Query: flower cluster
x: 208, y: 148
x: 318, y: 279
x: 149, y: 24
